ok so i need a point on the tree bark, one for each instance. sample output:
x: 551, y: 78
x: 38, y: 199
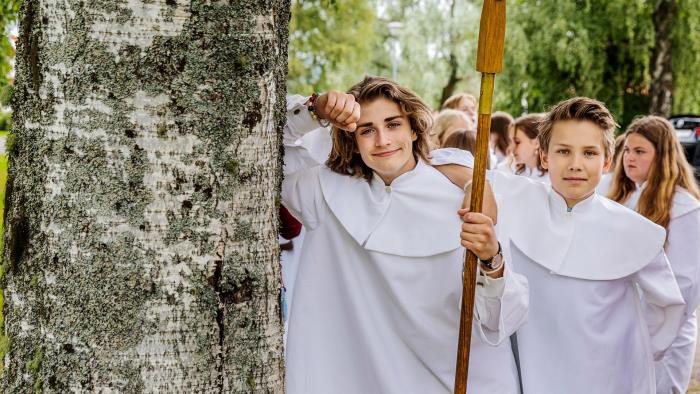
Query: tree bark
x: 665, y: 15
x: 141, y: 243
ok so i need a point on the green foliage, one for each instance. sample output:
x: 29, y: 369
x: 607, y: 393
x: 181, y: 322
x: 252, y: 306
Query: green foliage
x: 9, y: 10
x: 432, y: 33
x: 686, y: 58
x: 596, y: 48
x: 330, y: 43
x: 8, y: 15
x: 554, y: 50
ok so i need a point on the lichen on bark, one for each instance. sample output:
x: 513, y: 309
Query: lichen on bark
x: 141, y: 221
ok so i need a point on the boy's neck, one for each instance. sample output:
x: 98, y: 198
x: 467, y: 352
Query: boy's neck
x: 388, y: 178
x: 571, y: 202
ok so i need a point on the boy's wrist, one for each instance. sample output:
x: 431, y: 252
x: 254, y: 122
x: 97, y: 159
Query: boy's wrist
x: 495, y: 262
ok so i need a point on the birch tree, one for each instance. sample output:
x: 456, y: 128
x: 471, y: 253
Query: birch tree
x: 141, y: 249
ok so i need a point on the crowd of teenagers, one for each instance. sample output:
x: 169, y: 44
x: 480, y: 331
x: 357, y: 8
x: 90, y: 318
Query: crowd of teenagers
x: 588, y: 248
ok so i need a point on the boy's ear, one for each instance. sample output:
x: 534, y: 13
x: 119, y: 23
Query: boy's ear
x: 544, y: 160
x: 607, y: 164
x: 414, y: 136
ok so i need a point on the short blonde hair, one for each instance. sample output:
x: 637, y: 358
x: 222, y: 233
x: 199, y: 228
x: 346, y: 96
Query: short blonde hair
x: 453, y: 101
x: 445, y: 120
x: 345, y: 157
x: 581, y: 109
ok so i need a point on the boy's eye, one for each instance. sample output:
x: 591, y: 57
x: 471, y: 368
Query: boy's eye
x: 563, y: 151
x: 590, y: 153
x: 393, y: 125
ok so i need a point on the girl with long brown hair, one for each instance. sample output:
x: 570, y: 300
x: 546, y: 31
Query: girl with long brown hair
x: 499, y: 137
x: 654, y: 178
x: 526, y: 149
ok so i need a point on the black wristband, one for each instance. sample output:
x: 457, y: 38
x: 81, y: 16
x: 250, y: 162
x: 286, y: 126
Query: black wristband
x: 488, y: 263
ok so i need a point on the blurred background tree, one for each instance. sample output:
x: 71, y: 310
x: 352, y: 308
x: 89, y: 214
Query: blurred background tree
x: 330, y: 42
x: 8, y: 18
x: 606, y: 49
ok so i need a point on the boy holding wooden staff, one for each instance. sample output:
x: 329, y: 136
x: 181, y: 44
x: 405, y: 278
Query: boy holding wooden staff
x: 604, y: 303
x: 377, y: 300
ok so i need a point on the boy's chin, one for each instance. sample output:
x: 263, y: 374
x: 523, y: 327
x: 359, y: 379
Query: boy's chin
x: 578, y: 194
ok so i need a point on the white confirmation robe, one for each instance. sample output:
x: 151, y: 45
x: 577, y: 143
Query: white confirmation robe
x: 589, y: 268
x: 376, y: 305
x: 683, y: 249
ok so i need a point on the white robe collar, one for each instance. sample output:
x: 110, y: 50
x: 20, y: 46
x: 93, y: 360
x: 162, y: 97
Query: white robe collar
x: 416, y: 216
x: 597, y: 240
x: 683, y: 202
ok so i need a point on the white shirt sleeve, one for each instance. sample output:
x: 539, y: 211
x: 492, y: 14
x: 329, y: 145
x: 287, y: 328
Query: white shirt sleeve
x: 302, y: 196
x: 306, y: 142
x: 299, y: 120
x: 663, y: 304
x: 301, y: 190
x: 500, y: 305
x: 451, y: 156
x: 683, y: 251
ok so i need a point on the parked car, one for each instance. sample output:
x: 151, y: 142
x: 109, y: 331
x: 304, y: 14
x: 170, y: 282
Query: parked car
x: 688, y: 132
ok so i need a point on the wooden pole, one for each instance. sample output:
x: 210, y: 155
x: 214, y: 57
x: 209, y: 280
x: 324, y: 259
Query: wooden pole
x: 489, y: 61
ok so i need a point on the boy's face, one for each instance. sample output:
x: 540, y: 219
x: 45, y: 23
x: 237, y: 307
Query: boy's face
x: 385, y: 139
x: 575, y: 159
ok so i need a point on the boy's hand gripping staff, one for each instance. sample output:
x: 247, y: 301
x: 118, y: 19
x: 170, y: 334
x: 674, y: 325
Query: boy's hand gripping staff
x: 489, y: 61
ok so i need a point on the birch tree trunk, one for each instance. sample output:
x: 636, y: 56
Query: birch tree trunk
x: 141, y: 248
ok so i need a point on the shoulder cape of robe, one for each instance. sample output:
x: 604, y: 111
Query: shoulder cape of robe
x: 614, y: 231
x: 375, y: 215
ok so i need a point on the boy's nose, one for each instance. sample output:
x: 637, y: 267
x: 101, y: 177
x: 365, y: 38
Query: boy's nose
x: 575, y: 164
x: 382, y: 138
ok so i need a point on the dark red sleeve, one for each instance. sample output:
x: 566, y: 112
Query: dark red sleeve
x: 289, y: 226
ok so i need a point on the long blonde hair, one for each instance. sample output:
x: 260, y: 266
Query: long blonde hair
x: 668, y: 170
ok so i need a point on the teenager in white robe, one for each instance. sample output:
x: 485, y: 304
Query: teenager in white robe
x: 500, y: 137
x: 655, y: 179
x: 589, y: 262
x: 377, y: 298
x: 526, y: 157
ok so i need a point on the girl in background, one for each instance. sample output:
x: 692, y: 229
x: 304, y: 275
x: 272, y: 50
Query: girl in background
x: 461, y: 139
x: 526, y: 149
x: 654, y: 178
x: 462, y: 102
x: 500, y: 140
x: 446, y: 122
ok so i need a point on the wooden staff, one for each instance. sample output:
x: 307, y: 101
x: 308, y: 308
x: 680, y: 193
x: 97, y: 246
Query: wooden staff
x: 489, y: 62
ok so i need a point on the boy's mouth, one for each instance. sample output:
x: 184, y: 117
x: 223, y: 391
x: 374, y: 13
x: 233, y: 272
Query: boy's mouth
x: 385, y: 154
x: 575, y: 179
